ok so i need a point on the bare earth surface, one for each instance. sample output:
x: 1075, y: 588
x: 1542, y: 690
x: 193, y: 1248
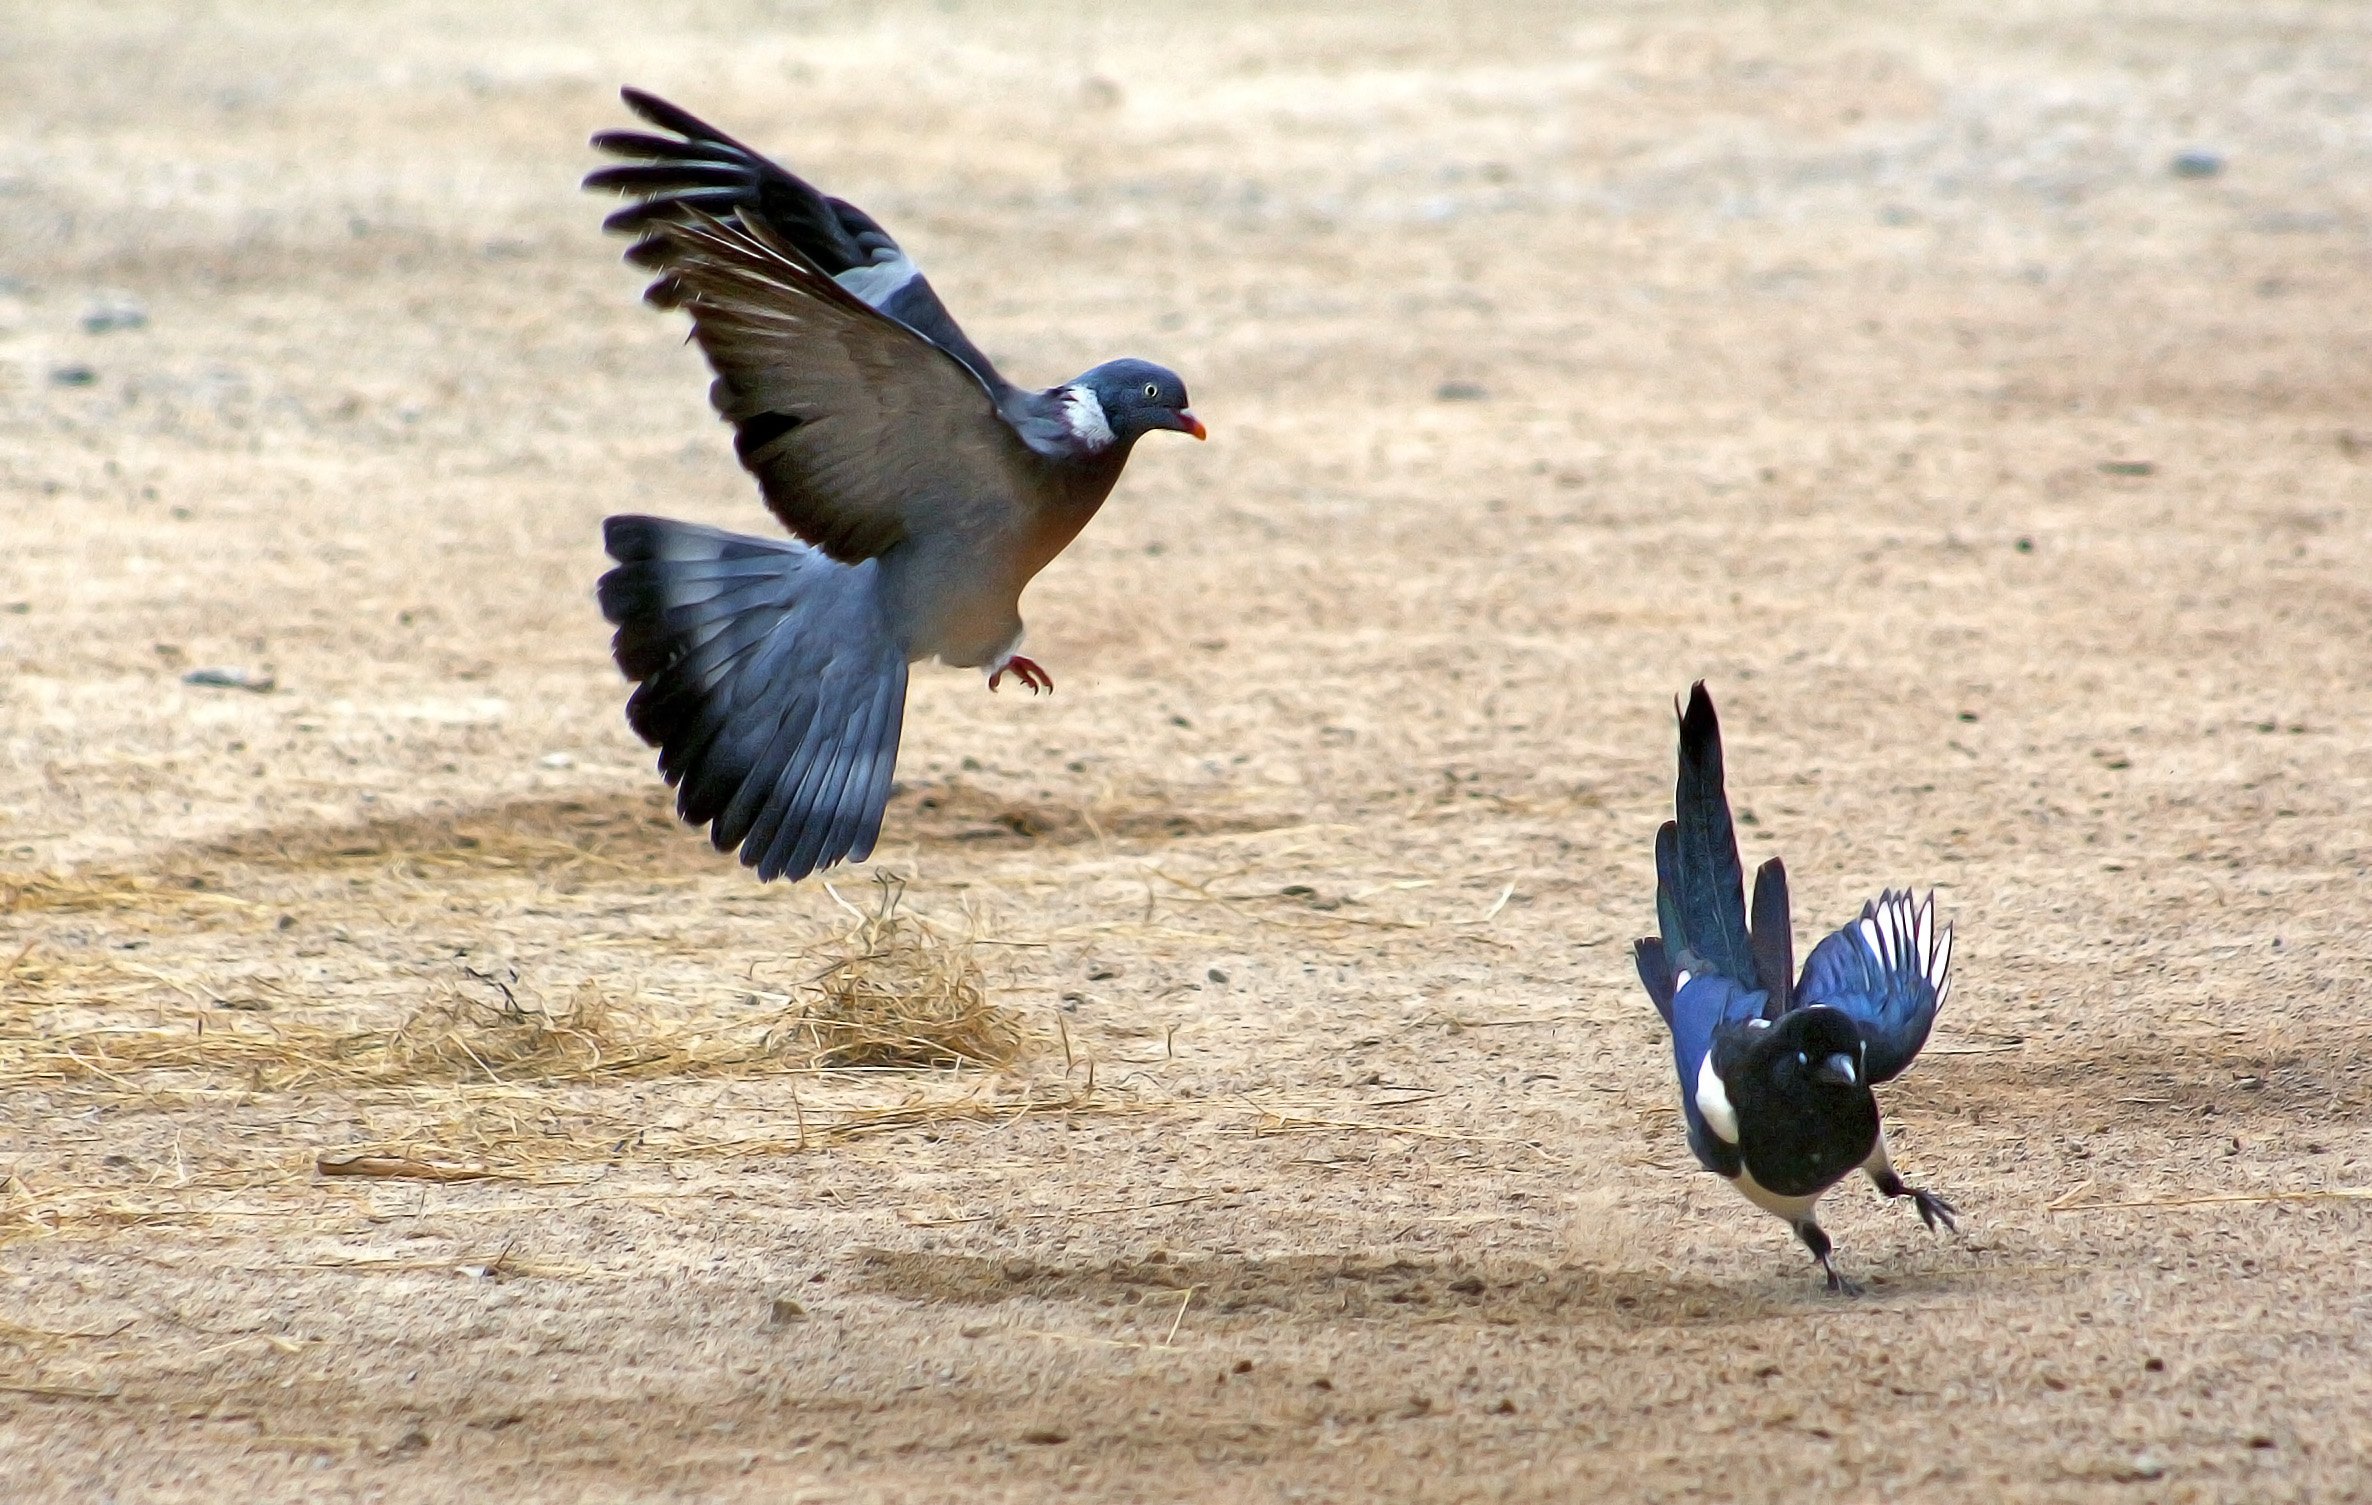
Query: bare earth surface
x: 2009, y: 487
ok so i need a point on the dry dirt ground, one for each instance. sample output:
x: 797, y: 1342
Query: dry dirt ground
x: 2009, y: 486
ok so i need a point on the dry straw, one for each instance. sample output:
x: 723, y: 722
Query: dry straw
x: 902, y: 993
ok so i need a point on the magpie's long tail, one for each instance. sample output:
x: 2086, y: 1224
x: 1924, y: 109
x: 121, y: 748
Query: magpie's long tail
x: 769, y: 681
x: 1700, y: 893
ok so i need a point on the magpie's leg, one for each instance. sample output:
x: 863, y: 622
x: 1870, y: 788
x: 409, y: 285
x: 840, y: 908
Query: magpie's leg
x: 1816, y: 1240
x: 1932, y: 1208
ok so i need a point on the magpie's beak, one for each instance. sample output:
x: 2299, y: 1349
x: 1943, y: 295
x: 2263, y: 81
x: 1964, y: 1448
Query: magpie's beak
x: 1189, y: 424
x: 1838, y: 1070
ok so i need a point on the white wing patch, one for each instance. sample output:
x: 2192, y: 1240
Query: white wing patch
x: 1083, y: 414
x: 1896, y: 928
x: 1713, y: 1101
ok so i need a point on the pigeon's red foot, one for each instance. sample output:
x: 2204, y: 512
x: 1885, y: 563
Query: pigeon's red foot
x: 1026, y: 670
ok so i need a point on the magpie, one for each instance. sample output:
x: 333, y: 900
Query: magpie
x: 1775, y: 1072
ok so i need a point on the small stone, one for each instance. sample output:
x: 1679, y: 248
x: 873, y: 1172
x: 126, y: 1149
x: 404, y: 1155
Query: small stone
x: 413, y: 1441
x: 2197, y: 162
x: 106, y: 315
x: 1045, y: 1436
x: 1461, y: 391
x: 785, y: 1310
x: 72, y: 376
x: 250, y: 680
x: 557, y: 760
x: 1216, y: 975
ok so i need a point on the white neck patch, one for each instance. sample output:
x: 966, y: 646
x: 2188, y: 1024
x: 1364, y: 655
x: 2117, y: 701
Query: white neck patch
x: 1083, y: 414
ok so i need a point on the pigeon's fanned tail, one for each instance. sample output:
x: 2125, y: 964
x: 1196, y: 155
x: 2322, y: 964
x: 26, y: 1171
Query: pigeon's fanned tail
x: 1703, y: 883
x: 769, y: 680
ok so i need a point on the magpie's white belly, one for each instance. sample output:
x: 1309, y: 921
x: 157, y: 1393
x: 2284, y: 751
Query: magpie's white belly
x: 1791, y: 1210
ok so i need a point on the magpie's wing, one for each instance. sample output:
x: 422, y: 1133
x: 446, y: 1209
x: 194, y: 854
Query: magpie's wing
x: 1700, y: 891
x: 861, y: 433
x: 1891, y: 970
x: 1704, y: 1004
x: 701, y: 170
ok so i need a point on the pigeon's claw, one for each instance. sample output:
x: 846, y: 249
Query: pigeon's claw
x: 1028, y: 671
x: 1838, y: 1285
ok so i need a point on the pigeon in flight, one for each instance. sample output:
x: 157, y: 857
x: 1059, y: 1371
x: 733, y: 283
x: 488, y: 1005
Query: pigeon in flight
x: 1776, y: 1072
x: 925, y: 491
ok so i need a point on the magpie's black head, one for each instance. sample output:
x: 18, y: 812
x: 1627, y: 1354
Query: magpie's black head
x: 1802, y: 1101
x: 1134, y: 397
x: 1816, y: 1052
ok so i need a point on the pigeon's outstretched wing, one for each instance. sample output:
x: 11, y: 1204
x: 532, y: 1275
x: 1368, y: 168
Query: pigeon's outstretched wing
x: 1891, y: 970
x: 702, y: 171
x: 861, y: 433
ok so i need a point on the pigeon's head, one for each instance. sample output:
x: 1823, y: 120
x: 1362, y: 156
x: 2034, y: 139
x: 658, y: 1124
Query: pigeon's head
x: 1121, y: 400
x: 1814, y: 1050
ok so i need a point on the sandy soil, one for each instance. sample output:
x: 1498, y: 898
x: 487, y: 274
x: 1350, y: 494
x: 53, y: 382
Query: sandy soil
x: 2009, y: 487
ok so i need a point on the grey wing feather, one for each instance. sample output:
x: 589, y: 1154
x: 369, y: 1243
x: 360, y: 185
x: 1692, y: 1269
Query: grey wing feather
x: 860, y: 432
x: 709, y: 172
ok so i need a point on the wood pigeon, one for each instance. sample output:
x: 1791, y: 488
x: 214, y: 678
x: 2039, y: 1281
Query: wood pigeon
x: 1775, y: 1072
x: 925, y: 491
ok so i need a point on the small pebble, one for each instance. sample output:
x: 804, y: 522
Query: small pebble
x: 73, y: 376
x: 1461, y: 391
x: 109, y: 314
x: 231, y: 679
x: 2198, y: 162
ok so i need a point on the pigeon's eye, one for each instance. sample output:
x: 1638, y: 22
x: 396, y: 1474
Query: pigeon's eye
x: 1803, y: 1058
x: 1152, y: 390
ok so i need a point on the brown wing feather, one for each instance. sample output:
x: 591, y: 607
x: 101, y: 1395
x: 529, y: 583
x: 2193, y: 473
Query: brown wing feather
x: 860, y: 432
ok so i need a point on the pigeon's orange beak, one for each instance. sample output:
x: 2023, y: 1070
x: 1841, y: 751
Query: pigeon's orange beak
x: 1189, y: 424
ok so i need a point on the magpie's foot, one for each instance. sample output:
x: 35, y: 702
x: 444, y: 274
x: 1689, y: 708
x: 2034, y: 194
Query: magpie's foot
x: 1028, y: 671
x: 1933, y: 1210
x: 1838, y: 1285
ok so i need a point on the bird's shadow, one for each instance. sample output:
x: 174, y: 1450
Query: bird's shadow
x: 1481, y: 1291
x: 635, y: 834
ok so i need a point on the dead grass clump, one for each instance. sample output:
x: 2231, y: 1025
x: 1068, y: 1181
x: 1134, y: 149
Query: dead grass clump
x: 489, y: 1034
x: 902, y: 993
